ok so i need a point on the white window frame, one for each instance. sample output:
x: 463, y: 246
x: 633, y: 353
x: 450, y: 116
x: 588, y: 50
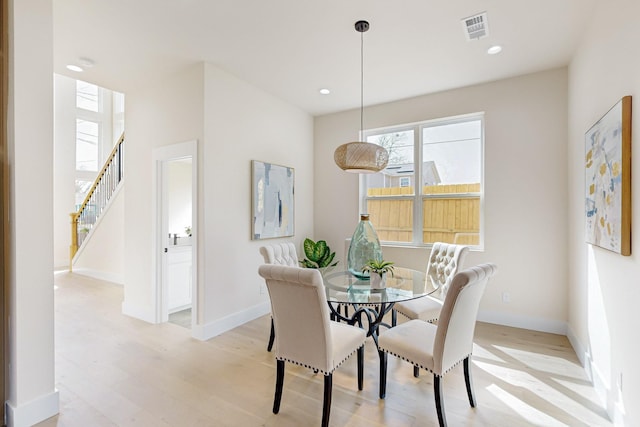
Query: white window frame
x: 418, y: 197
x: 86, y: 172
x: 101, y: 117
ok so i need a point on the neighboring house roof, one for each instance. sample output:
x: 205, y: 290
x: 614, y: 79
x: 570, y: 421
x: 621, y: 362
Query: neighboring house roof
x: 430, y: 175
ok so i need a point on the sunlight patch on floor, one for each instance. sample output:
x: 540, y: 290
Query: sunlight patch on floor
x: 484, y: 353
x: 540, y: 362
x: 526, y: 411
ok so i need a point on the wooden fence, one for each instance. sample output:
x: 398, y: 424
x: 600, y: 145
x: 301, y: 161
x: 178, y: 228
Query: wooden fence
x: 449, y: 219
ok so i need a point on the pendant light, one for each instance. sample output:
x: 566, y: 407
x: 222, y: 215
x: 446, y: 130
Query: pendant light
x: 358, y: 156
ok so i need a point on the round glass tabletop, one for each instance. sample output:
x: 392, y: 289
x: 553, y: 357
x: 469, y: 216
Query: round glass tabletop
x: 405, y: 284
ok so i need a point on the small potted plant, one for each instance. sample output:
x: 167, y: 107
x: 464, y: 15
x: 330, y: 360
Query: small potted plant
x: 378, y: 270
x: 318, y: 254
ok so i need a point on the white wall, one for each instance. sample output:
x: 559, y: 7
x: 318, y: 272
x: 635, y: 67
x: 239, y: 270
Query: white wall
x: 156, y: 116
x: 32, y: 394
x: 234, y: 123
x: 525, y: 189
x: 64, y: 170
x: 604, y: 286
x: 64, y: 166
x: 243, y: 123
x: 102, y: 253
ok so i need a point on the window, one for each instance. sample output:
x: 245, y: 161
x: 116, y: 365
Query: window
x: 99, y: 123
x: 87, y: 96
x: 87, y: 138
x: 431, y: 190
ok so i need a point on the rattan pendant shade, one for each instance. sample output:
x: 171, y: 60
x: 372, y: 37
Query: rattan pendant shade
x: 361, y: 157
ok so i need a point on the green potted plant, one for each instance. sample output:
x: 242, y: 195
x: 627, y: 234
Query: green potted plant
x: 378, y: 270
x: 318, y: 254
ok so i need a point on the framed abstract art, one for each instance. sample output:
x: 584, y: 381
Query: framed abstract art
x: 272, y: 191
x: 608, y: 180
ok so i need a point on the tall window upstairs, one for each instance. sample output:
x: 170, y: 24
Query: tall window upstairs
x: 99, y: 123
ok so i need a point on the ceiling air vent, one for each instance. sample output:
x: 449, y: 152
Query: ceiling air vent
x: 476, y: 26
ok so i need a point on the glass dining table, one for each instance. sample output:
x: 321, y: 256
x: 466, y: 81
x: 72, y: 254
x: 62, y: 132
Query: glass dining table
x: 344, y: 291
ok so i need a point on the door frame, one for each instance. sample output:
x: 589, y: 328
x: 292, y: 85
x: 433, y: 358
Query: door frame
x: 5, y: 290
x: 161, y: 156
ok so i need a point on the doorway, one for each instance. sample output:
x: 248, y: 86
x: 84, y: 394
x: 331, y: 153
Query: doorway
x: 176, y: 234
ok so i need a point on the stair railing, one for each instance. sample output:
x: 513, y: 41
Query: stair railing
x: 97, y: 198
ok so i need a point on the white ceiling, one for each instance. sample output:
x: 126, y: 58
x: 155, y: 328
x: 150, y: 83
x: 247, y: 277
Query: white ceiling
x: 292, y: 48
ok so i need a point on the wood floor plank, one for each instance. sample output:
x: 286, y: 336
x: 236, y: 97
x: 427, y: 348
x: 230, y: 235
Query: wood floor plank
x: 113, y: 370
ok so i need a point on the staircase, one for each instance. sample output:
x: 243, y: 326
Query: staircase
x: 97, y: 199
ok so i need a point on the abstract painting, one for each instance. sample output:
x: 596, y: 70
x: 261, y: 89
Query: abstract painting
x: 608, y: 180
x: 273, y: 200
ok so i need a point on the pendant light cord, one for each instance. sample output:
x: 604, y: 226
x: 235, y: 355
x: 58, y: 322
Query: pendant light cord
x: 361, y: 84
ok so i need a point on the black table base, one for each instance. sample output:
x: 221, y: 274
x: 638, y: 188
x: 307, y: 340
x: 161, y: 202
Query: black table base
x: 374, y: 314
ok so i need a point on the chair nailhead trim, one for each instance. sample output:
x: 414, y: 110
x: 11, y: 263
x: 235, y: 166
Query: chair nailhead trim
x: 435, y: 319
x: 325, y: 373
x: 425, y: 368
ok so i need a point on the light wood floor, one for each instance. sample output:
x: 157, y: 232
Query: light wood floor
x: 112, y: 370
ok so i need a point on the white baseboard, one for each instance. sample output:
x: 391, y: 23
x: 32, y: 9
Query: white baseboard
x: 618, y: 418
x: 604, y: 392
x: 581, y: 352
x: 33, y: 412
x: 145, y: 314
x: 101, y: 275
x: 608, y: 398
x: 524, y: 322
x: 210, y: 330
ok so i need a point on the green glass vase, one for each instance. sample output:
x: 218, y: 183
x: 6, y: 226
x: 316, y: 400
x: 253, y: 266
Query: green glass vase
x: 364, y: 246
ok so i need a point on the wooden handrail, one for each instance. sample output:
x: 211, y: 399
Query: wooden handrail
x: 100, y: 174
x: 75, y: 216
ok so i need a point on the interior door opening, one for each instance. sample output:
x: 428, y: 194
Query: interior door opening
x: 178, y: 262
x: 176, y: 234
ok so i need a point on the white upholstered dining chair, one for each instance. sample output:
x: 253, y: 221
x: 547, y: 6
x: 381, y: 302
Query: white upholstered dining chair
x: 279, y: 254
x: 444, y: 261
x: 306, y: 336
x: 439, y: 348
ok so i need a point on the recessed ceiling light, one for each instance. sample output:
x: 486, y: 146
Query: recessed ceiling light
x: 494, y: 49
x: 74, y: 68
x: 325, y: 91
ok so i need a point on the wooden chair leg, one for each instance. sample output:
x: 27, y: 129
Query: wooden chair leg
x: 326, y: 404
x: 279, y: 382
x: 272, y: 336
x: 437, y: 389
x: 383, y: 373
x: 360, y: 368
x: 416, y: 371
x: 467, y: 380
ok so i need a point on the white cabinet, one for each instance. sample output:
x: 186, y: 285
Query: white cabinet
x: 178, y: 278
